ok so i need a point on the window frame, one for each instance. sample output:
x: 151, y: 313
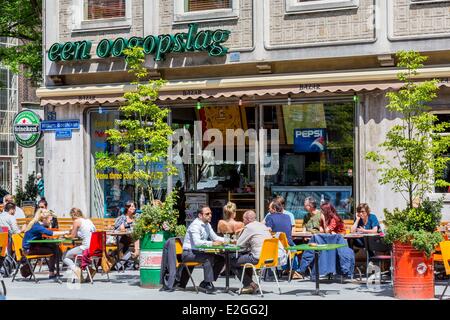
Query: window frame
x: 415, y: 2
x: 437, y: 112
x: 180, y: 16
x: 295, y: 7
x: 81, y: 24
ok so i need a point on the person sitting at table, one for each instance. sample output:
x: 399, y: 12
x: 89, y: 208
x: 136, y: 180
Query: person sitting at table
x: 365, y: 222
x: 201, y: 233
x: 334, y: 223
x: 277, y: 221
x: 281, y: 200
x: 19, y: 212
x: 82, y: 228
x: 8, y: 220
x: 251, y: 240
x: 34, y: 231
x: 228, y: 225
x: 42, y: 204
x: 125, y: 223
x: 314, y: 220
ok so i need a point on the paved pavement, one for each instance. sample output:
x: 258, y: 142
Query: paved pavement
x: 125, y: 286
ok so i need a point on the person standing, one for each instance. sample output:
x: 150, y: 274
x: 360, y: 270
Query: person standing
x: 40, y: 185
x: 200, y: 233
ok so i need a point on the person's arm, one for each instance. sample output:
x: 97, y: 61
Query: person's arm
x: 119, y: 223
x: 331, y: 226
x: 355, y: 224
x: 196, y: 239
x: 75, y: 227
x: 323, y: 223
x: 213, y: 235
x: 243, y: 238
x: 269, y: 222
x: 373, y: 221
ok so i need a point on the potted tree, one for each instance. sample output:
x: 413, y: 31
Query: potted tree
x: 143, y: 139
x: 413, y: 162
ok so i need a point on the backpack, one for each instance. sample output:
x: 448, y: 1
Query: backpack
x: 25, y: 270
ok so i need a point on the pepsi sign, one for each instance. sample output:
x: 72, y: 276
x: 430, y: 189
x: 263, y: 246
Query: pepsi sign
x: 309, y: 140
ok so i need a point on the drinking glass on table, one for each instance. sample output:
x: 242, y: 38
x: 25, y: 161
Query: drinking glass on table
x: 226, y: 238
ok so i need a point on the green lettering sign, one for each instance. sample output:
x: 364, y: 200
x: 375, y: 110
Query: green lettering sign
x: 210, y: 41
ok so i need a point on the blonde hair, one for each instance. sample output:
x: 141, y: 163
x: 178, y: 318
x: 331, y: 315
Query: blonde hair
x: 76, y: 213
x: 229, y: 210
x: 40, y: 215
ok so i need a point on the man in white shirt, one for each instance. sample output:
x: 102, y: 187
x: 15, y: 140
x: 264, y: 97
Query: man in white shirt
x: 19, y: 212
x: 8, y: 220
x: 201, y: 233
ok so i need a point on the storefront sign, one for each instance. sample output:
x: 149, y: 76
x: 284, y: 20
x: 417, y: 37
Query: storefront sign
x: 63, y: 134
x: 205, y: 40
x: 309, y: 140
x: 26, y: 128
x: 51, y: 125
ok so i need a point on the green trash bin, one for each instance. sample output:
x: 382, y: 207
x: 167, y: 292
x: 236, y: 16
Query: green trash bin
x: 151, y: 247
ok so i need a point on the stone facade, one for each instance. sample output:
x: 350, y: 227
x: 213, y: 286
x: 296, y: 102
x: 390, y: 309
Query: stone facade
x: 419, y: 20
x: 320, y: 27
x: 241, y: 29
x: 66, y: 23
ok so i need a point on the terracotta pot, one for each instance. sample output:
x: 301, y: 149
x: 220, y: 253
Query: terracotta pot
x: 413, y: 273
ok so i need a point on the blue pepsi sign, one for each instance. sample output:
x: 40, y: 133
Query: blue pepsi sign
x: 50, y: 125
x: 309, y: 140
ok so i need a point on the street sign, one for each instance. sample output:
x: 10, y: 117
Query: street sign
x: 63, y: 134
x: 50, y: 125
x: 26, y: 128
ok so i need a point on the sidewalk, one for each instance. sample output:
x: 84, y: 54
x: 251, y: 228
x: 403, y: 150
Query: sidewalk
x: 125, y: 286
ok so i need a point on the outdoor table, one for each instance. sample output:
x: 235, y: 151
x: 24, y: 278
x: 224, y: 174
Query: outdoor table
x: 56, y: 242
x: 302, y: 234
x: 226, y: 249
x: 316, y: 249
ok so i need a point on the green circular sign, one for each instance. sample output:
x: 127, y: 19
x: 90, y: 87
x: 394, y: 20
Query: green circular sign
x: 27, y: 128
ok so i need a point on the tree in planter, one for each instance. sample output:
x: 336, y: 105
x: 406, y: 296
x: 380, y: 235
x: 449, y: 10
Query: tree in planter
x: 143, y: 141
x: 415, y: 160
x: 30, y: 191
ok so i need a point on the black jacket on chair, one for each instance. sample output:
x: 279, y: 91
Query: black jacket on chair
x: 169, y: 273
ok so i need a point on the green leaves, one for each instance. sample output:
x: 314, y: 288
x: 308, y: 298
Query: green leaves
x: 21, y: 21
x: 142, y: 136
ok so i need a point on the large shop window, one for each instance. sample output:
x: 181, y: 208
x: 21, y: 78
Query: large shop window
x: 104, y: 9
x: 444, y: 117
x: 316, y: 155
x: 111, y: 190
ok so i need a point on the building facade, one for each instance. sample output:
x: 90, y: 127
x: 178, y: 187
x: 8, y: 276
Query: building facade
x: 312, y: 69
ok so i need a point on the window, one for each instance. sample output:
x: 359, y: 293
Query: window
x: 186, y: 11
x: 199, y: 5
x: 8, y: 110
x: 99, y: 15
x: 444, y: 117
x: 104, y: 9
x: 302, y: 6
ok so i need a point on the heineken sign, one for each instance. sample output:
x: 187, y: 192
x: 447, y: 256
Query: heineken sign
x: 27, y: 128
x: 205, y: 40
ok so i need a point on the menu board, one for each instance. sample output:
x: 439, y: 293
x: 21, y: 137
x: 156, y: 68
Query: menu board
x: 303, y: 116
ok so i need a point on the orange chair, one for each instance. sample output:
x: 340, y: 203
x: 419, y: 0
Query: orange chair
x: 23, y: 259
x: 267, y: 260
x: 179, y: 263
x: 291, y: 254
x: 3, y: 247
x: 445, y: 250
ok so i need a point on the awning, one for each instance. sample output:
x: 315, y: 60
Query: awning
x: 267, y: 85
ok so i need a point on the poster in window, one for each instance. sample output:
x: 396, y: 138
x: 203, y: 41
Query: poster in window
x: 302, y: 116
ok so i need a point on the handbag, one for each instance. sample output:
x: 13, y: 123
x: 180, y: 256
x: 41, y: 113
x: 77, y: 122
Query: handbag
x: 25, y: 270
x: 107, y: 262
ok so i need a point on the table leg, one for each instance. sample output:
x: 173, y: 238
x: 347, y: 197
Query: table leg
x: 227, y: 271
x: 57, y: 265
x: 316, y: 266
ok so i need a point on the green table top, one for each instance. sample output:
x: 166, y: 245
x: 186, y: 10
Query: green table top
x: 51, y: 241
x: 220, y: 248
x: 304, y: 247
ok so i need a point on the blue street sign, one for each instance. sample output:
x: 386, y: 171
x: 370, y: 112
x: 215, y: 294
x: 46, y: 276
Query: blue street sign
x: 50, y: 125
x: 63, y: 134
